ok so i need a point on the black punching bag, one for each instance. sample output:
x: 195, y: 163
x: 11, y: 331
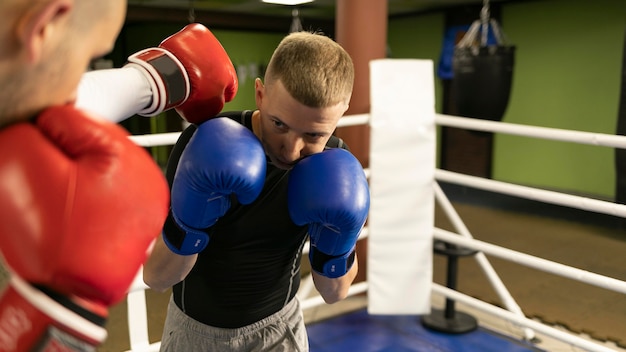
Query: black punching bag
x: 482, y: 80
x: 483, y: 70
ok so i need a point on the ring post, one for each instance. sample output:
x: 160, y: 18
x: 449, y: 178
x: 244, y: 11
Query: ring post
x: 402, y: 178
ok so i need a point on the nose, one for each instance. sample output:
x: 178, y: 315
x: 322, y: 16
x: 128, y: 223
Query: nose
x: 293, y: 148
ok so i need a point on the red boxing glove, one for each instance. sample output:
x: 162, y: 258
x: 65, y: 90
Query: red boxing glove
x: 80, y: 206
x: 191, y: 71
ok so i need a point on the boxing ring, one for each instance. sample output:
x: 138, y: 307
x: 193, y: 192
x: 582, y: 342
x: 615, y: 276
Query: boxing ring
x: 410, y: 291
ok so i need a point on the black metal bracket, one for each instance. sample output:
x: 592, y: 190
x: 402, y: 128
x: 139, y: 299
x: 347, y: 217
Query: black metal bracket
x: 450, y: 320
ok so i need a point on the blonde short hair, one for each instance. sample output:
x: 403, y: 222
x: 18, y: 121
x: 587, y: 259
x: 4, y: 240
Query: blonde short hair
x: 314, y: 69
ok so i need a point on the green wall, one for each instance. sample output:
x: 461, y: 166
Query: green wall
x: 249, y: 52
x: 567, y: 75
x: 418, y: 37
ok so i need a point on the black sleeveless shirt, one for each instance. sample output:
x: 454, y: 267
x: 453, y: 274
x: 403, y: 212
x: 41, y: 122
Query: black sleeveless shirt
x: 251, y: 267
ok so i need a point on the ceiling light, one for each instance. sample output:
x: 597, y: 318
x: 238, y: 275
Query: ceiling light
x: 287, y: 2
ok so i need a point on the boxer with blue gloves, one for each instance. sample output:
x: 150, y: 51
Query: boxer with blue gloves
x: 248, y: 189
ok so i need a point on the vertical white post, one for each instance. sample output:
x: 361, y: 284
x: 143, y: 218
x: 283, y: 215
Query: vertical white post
x: 402, y: 166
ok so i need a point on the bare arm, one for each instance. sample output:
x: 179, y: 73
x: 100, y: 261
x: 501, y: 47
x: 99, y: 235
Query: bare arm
x: 335, y: 290
x: 164, y: 268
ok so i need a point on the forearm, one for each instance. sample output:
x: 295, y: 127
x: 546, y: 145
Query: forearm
x: 114, y: 94
x: 164, y: 268
x: 335, y: 290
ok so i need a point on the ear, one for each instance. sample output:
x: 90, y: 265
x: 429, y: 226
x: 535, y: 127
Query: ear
x: 39, y: 24
x: 259, y: 92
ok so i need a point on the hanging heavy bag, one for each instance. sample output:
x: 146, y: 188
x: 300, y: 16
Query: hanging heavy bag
x: 483, y: 73
x: 482, y: 80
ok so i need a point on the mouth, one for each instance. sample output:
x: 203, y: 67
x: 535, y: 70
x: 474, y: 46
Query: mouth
x: 279, y: 163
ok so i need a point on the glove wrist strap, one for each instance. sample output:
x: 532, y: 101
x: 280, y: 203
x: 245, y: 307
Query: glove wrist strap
x: 331, y: 266
x: 182, y: 239
x: 167, y: 76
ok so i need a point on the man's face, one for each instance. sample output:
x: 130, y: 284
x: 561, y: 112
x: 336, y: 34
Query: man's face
x: 291, y: 130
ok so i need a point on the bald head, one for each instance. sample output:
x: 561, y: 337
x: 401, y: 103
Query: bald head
x: 46, y: 46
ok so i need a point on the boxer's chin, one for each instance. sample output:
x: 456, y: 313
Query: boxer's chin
x: 280, y: 164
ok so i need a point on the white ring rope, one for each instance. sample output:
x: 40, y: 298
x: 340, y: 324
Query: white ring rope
x: 598, y: 206
x: 533, y: 262
x: 353, y: 120
x: 157, y: 139
x: 579, y: 137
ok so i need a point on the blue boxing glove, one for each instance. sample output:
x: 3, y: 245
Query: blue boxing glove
x: 329, y: 192
x: 222, y: 158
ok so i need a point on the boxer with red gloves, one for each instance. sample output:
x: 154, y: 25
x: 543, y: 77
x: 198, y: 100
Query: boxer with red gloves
x: 242, y: 208
x: 81, y: 206
x: 189, y: 71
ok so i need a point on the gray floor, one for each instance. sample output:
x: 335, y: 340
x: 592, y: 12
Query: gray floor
x: 583, y: 240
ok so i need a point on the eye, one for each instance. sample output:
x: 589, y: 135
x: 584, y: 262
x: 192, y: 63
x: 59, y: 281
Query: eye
x: 314, y: 136
x: 279, y: 124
